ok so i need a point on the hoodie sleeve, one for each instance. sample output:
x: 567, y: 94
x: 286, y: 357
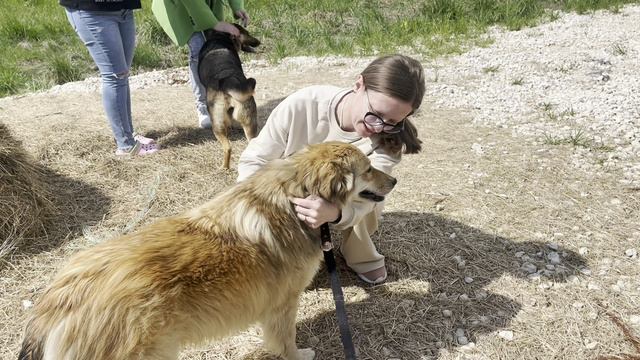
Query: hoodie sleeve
x: 270, y: 143
x: 201, y: 15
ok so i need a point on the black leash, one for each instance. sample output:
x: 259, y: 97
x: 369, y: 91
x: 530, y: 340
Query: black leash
x: 338, y: 297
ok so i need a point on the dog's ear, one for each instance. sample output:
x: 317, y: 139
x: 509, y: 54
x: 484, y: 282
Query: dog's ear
x: 331, y: 180
x: 248, y: 43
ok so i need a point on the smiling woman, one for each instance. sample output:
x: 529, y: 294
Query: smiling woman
x: 373, y: 115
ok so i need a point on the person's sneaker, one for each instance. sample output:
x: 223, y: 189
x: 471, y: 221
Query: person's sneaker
x: 143, y: 139
x: 139, y: 149
x: 374, y: 277
x: 204, y: 120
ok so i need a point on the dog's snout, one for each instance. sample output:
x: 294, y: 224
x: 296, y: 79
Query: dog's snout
x: 394, y: 181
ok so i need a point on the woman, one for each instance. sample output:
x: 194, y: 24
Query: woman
x: 373, y: 116
x: 184, y: 21
x: 108, y: 30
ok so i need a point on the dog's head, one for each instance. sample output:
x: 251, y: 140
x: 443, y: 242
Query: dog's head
x: 340, y: 173
x: 245, y: 41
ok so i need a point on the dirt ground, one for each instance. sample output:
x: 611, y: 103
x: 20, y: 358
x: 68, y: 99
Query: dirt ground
x: 459, y: 231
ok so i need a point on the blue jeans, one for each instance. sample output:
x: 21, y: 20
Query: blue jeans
x: 110, y: 37
x: 195, y: 45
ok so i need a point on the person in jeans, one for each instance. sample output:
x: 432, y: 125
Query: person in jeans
x: 372, y: 115
x: 184, y: 21
x: 107, y: 29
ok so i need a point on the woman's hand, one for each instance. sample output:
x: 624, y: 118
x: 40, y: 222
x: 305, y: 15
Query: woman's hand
x: 242, y: 16
x: 315, y: 210
x: 224, y: 26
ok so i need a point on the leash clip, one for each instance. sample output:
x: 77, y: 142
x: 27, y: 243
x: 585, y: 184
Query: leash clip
x: 326, y: 246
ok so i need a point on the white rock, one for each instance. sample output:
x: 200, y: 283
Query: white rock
x: 447, y: 313
x: 467, y: 348
x: 553, y: 246
x: 462, y: 340
x: 468, y: 279
x: 578, y: 305
x: 632, y: 253
x: 477, y: 149
x: 554, y: 258
x: 591, y: 345
x: 26, y: 304
x: 506, y: 334
x: 634, y: 319
x: 529, y: 267
x: 583, y: 251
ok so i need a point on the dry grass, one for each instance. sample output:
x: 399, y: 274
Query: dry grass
x: 512, y: 201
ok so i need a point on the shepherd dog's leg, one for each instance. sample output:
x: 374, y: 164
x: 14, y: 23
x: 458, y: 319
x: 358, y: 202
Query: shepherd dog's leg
x: 220, y: 121
x: 246, y: 113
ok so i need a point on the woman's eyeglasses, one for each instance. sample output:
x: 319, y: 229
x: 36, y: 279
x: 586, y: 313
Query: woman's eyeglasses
x: 375, y: 123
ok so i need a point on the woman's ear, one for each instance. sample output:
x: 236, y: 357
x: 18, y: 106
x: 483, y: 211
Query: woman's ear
x: 359, y: 84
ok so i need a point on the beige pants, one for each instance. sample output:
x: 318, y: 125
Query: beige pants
x: 357, y: 248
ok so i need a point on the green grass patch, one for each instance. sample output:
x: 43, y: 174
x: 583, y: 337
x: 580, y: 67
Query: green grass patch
x: 38, y: 47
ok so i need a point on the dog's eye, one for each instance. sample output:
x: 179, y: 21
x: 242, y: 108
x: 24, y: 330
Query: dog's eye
x: 370, y: 169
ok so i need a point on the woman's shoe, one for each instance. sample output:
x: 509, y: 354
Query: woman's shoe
x: 139, y: 149
x: 143, y: 139
x: 374, y: 277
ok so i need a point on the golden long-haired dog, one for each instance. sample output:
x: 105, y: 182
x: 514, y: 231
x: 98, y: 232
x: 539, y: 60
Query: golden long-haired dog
x: 241, y: 258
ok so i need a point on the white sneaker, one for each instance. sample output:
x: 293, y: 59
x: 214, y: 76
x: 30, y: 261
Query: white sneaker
x: 204, y: 120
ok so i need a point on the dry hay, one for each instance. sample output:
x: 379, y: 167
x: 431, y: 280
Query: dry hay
x: 25, y: 206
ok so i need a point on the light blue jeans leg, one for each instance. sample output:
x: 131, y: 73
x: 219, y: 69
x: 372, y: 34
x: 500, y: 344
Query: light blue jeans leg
x: 195, y: 45
x: 110, y: 37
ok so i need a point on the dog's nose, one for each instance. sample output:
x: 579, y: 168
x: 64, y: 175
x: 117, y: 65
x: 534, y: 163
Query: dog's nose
x: 394, y: 181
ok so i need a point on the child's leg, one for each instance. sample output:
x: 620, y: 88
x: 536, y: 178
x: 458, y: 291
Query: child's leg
x: 195, y: 45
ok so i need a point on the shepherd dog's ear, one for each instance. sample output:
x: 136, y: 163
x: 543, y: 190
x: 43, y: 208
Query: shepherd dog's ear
x: 248, y: 43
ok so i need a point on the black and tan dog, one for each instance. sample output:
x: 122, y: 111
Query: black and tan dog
x: 241, y: 258
x: 229, y: 91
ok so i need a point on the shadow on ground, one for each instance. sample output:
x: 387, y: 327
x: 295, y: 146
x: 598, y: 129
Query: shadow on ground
x: 404, y: 317
x: 77, y: 205
x: 188, y: 136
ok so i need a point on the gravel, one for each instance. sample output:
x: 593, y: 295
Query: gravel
x: 574, y: 80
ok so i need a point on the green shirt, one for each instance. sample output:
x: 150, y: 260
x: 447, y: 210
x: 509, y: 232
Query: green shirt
x: 181, y: 18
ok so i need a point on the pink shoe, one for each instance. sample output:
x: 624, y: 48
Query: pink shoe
x: 139, y: 150
x: 143, y: 139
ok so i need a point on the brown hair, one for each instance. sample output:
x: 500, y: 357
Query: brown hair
x: 402, y: 78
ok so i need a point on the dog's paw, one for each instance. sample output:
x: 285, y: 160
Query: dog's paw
x: 306, y: 354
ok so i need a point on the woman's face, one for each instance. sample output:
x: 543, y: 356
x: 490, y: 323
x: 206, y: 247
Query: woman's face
x: 391, y: 110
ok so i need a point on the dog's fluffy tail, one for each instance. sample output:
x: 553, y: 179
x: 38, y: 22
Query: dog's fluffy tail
x: 32, y: 346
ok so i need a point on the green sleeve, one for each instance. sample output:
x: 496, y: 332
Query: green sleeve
x: 202, y: 16
x: 236, y: 5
